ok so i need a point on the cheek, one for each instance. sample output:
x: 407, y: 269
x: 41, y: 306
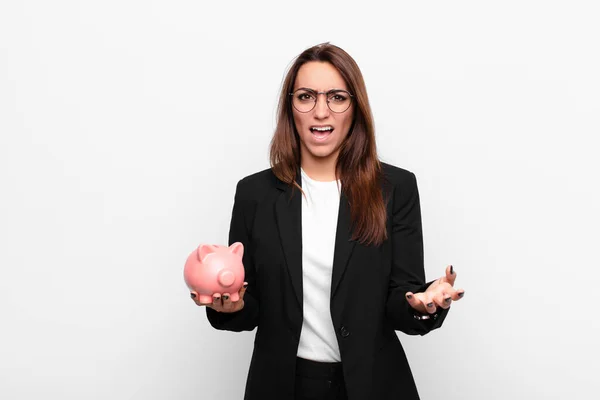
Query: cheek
x: 298, y: 122
x: 347, y: 123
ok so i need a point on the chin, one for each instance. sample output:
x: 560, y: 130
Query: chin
x: 321, y: 153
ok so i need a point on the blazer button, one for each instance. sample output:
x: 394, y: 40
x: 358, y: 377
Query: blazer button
x: 345, y: 332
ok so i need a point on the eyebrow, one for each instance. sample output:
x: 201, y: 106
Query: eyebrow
x: 315, y: 90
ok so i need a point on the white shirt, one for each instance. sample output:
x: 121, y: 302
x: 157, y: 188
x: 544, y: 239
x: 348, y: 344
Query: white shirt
x: 320, y: 209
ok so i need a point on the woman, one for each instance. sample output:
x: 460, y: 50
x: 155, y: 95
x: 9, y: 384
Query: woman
x: 333, y: 249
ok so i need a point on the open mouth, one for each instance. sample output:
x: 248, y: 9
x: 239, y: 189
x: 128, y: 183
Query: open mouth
x: 321, y: 132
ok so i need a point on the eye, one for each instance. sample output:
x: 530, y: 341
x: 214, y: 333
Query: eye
x: 338, y: 97
x: 304, y: 96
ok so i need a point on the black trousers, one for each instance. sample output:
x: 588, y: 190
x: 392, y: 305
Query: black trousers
x: 319, y: 381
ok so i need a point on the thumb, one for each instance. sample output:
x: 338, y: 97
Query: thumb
x: 450, y: 275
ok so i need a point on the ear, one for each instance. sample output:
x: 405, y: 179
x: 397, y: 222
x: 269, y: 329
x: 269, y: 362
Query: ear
x: 204, y: 250
x: 237, y: 248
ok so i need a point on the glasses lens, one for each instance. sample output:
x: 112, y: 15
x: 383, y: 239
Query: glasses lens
x: 304, y: 100
x: 339, y: 100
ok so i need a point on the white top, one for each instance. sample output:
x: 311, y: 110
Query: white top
x: 320, y: 209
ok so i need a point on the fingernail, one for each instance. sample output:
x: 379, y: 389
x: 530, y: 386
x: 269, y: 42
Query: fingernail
x: 447, y: 300
x: 216, y: 298
x: 193, y: 295
x: 245, y: 285
x: 409, y: 296
x: 430, y: 305
x: 461, y: 294
x: 225, y: 297
x: 451, y: 270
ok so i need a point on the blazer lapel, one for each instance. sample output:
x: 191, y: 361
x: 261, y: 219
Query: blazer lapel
x: 288, y: 210
x: 343, y: 244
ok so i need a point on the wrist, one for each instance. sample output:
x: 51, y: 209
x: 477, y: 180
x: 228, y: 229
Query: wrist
x: 424, y: 317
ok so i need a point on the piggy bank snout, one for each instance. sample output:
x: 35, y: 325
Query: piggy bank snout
x: 226, y: 278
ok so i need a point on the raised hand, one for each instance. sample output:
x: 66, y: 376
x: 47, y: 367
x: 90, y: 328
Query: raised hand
x: 223, y: 303
x: 440, y: 293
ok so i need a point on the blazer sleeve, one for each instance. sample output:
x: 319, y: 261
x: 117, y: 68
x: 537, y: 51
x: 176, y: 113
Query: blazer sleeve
x: 245, y: 319
x: 408, y: 272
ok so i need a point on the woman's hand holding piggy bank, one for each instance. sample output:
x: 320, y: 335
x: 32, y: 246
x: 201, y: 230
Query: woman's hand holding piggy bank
x: 215, y: 276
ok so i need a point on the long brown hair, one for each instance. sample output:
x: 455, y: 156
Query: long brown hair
x: 357, y: 167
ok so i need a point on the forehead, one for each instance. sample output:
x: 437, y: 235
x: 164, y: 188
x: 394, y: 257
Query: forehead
x: 318, y: 75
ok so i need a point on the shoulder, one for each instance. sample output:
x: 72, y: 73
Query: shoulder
x: 400, y: 185
x: 397, y: 176
x: 256, y: 185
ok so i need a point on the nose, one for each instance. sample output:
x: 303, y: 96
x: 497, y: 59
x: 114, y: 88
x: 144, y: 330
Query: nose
x: 321, y: 108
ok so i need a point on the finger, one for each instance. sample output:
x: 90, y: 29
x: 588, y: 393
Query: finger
x: 450, y: 275
x: 227, y: 304
x: 243, y: 290
x: 216, y: 302
x: 201, y: 300
x: 195, y: 297
x: 415, y: 302
x: 428, y: 303
x: 458, y: 294
x: 443, y: 299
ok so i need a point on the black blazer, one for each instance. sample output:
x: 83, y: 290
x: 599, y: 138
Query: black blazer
x: 367, y: 289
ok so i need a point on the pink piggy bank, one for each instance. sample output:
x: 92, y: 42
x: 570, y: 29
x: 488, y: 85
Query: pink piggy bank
x: 215, y: 269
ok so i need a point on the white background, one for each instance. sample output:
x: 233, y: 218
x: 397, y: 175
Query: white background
x: 125, y: 125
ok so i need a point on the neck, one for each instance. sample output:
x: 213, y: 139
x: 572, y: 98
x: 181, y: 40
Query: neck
x: 319, y: 169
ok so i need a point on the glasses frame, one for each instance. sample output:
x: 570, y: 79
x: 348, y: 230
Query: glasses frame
x: 326, y: 99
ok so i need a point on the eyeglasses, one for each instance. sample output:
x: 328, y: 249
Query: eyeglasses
x: 304, y: 100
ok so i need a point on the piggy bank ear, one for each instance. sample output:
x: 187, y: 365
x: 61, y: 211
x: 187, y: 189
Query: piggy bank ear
x: 237, y: 248
x: 204, y: 250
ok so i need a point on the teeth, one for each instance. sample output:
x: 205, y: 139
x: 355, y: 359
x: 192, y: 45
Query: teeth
x: 321, y: 129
